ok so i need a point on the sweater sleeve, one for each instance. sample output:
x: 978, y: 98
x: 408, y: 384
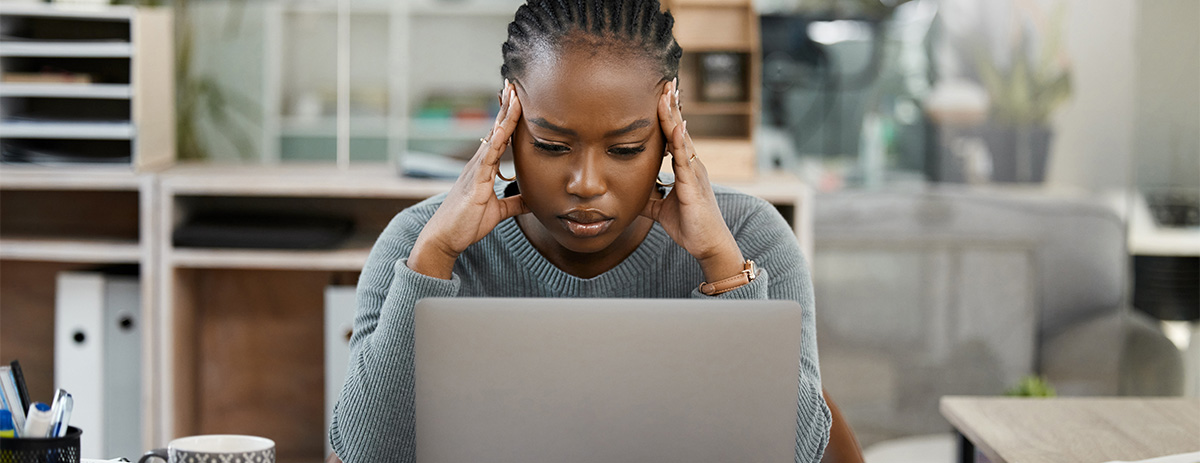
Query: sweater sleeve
x: 373, y: 419
x: 766, y: 238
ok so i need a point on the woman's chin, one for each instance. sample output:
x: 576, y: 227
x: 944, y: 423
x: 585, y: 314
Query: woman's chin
x: 588, y: 245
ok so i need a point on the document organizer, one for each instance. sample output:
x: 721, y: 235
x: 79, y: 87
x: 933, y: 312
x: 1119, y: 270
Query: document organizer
x: 53, y: 450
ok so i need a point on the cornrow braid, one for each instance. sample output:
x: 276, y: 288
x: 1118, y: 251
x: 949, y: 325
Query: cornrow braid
x: 543, y: 25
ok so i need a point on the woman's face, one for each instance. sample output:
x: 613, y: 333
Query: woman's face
x: 588, y: 147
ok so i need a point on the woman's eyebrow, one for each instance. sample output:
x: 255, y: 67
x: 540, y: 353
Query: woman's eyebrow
x: 624, y: 130
x: 543, y: 123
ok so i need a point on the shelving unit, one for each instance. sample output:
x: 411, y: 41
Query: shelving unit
x: 722, y: 126
x: 215, y: 299
x: 391, y: 52
x: 104, y: 102
x: 55, y: 219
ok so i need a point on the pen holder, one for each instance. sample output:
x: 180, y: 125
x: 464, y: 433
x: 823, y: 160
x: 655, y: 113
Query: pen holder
x: 50, y: 450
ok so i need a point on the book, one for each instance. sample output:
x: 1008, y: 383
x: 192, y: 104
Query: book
x: 12, y: 399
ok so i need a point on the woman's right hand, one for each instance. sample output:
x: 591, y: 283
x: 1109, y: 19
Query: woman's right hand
x: 471, y: 209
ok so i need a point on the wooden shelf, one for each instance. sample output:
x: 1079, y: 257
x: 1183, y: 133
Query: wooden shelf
x: 98, y: 177
x: 67, y: 49
x: 299, y: 180
x: 702, y: 108
x: 71, y: 250
x: 469, y: 8
x: 107, y: 13
x: 335, y: 260
x: 68, y: 130
x: 106, y: 91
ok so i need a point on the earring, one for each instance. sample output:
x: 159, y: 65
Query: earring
x: 501, y: 175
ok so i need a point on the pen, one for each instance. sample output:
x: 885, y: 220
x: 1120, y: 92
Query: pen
x: 63, y: 419
x: 61, y: 397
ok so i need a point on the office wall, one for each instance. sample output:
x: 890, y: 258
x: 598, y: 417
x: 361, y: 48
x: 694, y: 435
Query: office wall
x: 1166, y: 142
x: 1095, y: 128
x: 1134, y: 116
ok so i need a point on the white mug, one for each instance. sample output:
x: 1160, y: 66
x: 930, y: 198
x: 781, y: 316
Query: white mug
x: 217, y: 447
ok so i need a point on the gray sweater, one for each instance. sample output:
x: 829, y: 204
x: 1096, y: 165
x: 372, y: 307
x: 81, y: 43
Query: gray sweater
x: 373, y: 420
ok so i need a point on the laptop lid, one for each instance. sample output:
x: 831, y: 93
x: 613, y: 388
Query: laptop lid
x: 606, y: 380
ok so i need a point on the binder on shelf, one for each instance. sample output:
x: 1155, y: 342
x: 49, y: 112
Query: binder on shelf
x: 98, y: 357
x: 339, y: 323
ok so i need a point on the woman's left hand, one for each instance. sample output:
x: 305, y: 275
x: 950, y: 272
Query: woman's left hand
x: 689, y: 213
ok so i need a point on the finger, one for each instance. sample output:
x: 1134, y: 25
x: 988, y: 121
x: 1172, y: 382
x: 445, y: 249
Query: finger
x: 513, y: 206
x: 505, y: 130
x: 503, y: 109
x: 653, y: 207
x: 666, y: 119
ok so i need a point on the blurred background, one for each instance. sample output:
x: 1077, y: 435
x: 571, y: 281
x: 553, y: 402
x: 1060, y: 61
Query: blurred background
x: 995, y: 196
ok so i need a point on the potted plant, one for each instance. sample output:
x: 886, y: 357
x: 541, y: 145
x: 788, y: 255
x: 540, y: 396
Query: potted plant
x: 1023, y: 96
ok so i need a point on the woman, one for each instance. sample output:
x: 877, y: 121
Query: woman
x: 590, y: 108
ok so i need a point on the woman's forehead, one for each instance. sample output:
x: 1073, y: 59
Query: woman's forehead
x: 590, y: 89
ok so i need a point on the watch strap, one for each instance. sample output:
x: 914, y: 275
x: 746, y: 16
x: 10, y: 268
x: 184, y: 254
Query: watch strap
x: 729, y: 284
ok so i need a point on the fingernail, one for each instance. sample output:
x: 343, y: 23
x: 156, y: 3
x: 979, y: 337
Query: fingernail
x: 685, y: 127
x: 505, y: 83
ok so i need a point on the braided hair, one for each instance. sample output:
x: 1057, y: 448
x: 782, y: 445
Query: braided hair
x: 547, y: 26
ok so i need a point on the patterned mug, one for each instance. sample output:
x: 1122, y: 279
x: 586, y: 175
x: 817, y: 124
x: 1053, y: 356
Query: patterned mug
x: 222, y: 448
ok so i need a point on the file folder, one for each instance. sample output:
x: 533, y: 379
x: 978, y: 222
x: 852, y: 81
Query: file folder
x: 339, y: 323
x: 98, y: 359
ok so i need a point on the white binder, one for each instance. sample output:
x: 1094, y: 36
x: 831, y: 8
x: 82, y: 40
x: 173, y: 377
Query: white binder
x: 339, y: 323
x: 98, y: 359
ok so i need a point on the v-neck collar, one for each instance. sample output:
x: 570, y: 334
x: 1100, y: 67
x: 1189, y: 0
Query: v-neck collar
x: 645, y: 256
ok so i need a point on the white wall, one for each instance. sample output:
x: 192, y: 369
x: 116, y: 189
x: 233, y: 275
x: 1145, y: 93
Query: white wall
x: 1094, y: 130
x: 1166, y: 143
x: 1135, y: 110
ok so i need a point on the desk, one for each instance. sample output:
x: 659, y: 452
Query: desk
x: 1074, y: 430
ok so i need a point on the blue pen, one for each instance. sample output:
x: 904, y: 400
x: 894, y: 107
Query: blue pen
x: 60, y: 408
x: 63, y: 420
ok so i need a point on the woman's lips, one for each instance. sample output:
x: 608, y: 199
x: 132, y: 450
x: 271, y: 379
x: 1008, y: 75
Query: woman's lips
x: 585, y: 223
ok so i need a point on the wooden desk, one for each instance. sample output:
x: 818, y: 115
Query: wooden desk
x: 1074, y: 430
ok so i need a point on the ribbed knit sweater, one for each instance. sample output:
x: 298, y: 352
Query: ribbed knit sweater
x: 373, y: 420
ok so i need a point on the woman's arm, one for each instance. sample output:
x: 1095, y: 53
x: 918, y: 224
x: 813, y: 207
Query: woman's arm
x: 764, y: 237
x: 373, y: 419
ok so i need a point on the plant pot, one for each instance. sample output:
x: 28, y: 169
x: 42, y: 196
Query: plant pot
x: 1019, y: 153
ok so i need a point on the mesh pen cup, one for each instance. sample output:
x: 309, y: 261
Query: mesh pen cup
x: 51, y: 450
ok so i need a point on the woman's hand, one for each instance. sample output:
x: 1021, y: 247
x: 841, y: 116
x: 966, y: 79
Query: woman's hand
x: 689, y: 213
x: 471, y: 209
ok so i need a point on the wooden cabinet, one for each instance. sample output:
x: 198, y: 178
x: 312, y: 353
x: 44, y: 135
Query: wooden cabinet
x: 64, y: 219
x: 719, y: 79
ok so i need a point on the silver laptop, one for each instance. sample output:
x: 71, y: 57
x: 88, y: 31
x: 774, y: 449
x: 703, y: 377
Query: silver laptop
x: 606, y: 380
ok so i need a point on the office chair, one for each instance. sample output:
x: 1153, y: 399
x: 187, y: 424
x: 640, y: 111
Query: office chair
x: 843, y: 446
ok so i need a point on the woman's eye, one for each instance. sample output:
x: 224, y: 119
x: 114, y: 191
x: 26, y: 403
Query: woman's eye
x: 549, y: 148
x: 627, y: 151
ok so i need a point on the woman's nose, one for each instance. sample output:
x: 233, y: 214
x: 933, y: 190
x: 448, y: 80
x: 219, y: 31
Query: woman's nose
x: 587, y: 176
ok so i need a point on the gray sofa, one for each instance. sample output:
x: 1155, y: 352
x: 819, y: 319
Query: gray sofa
x: 950, y: 290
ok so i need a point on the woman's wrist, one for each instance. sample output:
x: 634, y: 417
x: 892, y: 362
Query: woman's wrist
x: 429, y: 260
x: 723, y: 264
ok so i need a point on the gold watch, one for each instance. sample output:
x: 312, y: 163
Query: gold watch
x: 749, y: 272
